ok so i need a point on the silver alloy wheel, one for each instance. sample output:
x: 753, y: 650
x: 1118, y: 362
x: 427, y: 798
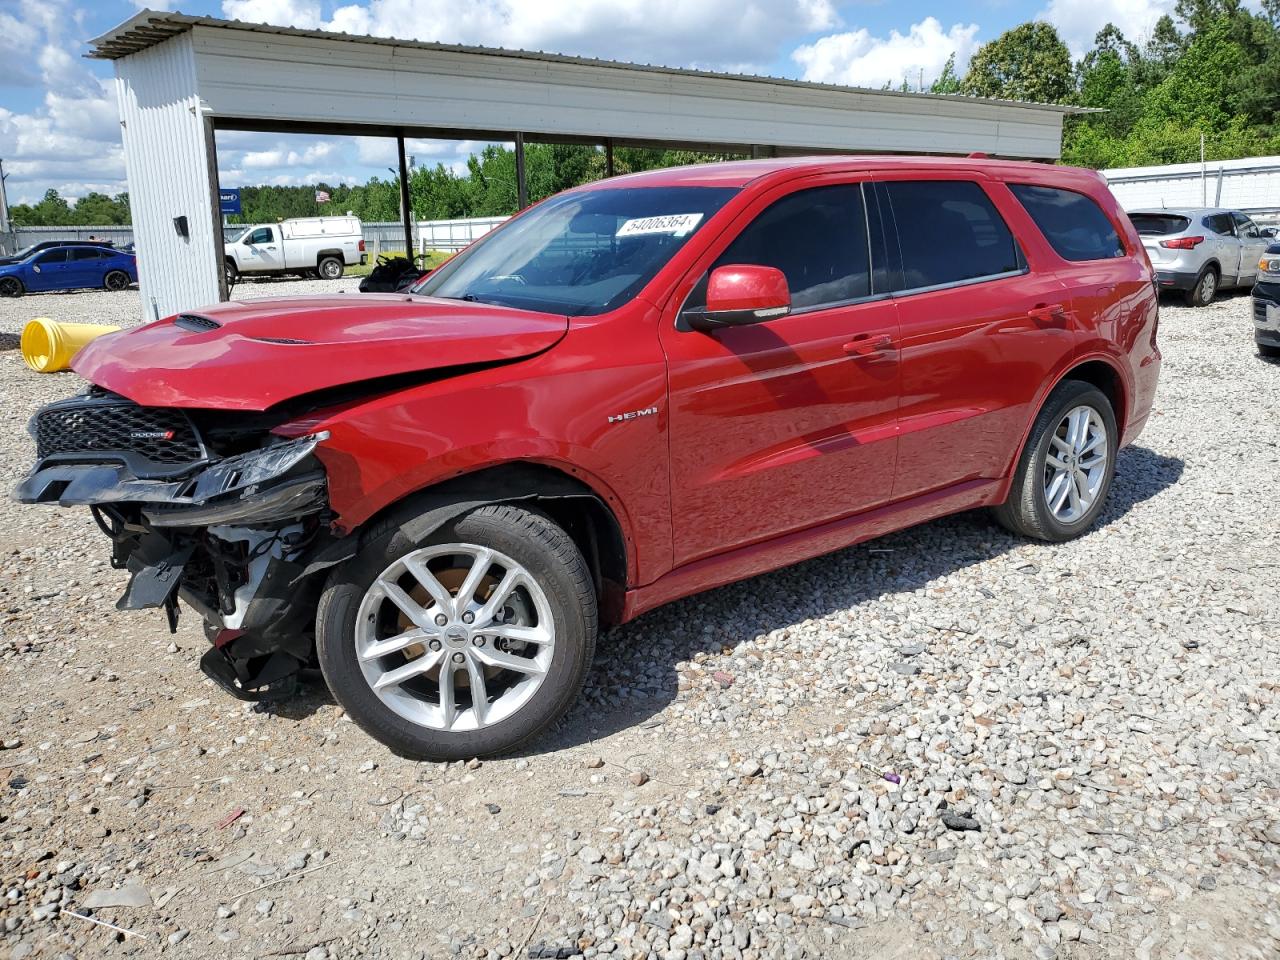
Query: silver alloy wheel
x: 1208, y: 286
x: 1075, y: 465
x: 330, y: 269
x: 455, y: 657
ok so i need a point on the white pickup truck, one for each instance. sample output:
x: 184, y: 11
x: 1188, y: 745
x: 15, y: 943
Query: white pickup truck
x: 315, y: 246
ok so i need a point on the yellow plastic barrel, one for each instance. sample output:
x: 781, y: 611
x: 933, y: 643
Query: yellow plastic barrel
x: 48, y: 346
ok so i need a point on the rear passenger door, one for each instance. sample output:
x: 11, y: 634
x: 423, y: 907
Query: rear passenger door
x: 1223, y: 246
x: 85, y: 267
x: 980, y: 331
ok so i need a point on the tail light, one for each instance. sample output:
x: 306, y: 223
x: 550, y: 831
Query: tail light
x: 1182, y: 243
x: 362, y: 246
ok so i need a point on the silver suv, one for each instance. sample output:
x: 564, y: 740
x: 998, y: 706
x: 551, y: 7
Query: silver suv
x: 1199, y: 250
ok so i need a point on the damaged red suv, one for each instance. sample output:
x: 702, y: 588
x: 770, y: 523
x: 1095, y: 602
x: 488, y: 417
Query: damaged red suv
x: 633, y: 391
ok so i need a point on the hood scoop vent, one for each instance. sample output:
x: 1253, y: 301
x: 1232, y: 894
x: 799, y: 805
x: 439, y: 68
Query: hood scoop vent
x: 280, y: 340
x: 196, y: 324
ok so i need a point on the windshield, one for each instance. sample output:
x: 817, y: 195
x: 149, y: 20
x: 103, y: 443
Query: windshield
x: 235, y: 237
x: 581, y: 253
x: 26, y: 252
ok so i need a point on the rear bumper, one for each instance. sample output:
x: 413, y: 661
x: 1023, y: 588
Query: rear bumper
x: 1176, y: 279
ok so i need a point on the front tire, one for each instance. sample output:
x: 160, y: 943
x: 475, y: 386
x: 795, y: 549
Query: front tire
x: 467, y: 641
x: 330, y: 268
x: 1206, y: 288
x: 11, y: 287
x: 232, y: 273
x: 1064, y: 474
x: 1268, y: 351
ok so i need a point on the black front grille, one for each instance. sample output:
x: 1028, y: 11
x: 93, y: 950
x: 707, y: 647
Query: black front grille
x: 101, y: 428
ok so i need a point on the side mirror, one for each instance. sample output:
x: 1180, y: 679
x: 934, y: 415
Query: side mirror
x: 1268, y: 232
x: 739, y: 294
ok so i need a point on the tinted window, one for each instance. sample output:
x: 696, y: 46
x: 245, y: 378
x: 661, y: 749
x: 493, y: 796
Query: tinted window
x: 580, y: 253
x: 52, y: 256
x: 817, y: 238
x: 1074, y: 225
x: 1220, y: 223
x: 1159, y: 224
x: 949, y: 231
x: 261, y: 236
x: 84, y: 254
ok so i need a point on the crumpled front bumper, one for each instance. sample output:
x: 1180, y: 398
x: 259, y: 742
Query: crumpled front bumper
x: 168, y: 503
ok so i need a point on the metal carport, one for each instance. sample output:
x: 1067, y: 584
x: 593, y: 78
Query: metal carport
x: 180, y: 78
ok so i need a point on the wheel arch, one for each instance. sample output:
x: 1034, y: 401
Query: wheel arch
x: 325, y: 254
x: 1097, y: 371
x: 569, y: 501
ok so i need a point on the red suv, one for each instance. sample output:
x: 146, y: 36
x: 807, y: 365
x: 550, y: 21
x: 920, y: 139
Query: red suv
x: 633, y: 391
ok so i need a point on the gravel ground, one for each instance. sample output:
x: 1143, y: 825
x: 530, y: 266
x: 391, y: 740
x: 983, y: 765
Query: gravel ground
x: 946, y: 743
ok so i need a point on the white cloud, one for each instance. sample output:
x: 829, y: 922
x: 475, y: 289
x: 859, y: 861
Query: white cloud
x: 303, y: 14
x: 705, y: 33
x: 1078, y: 23
x: 860, y: 59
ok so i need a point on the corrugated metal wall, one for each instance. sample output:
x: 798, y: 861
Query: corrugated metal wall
x: 166, y: 154
x: 1251, y: 185
x: 245, y: 74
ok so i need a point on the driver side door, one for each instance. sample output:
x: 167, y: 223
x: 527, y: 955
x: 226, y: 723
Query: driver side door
x: 788, y: 423
x: 265, y: 249
x: 48, y: 271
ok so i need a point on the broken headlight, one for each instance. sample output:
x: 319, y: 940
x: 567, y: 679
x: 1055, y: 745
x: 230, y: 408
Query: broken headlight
x: 247, y: 470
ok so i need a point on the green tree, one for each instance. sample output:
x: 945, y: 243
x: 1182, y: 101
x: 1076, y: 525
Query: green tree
x: 948, y: 81
x: 1029, y: 62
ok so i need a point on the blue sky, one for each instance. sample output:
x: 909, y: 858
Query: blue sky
x: 58, y: 124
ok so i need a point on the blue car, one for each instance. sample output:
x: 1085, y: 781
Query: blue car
x: 69, y: 268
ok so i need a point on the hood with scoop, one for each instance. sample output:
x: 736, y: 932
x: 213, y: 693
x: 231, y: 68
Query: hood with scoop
x: 252, y: 355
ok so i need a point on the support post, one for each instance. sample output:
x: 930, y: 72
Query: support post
x: 522, y: 189
x: 608, y: 158
x: 215, y: 192
x: 404, y: 198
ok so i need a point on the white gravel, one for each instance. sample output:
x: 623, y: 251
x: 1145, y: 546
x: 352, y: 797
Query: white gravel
x: 1085, y: 739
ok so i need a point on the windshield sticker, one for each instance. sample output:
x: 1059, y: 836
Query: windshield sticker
x: 676, y: 224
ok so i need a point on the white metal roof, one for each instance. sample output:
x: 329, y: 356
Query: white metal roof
x: 149, y: 27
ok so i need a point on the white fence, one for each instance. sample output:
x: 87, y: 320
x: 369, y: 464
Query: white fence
x: 1251, y: 185
x: 428, y: 234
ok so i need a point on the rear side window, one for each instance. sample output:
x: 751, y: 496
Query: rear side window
x: 1220, y: 223
x: 1158, y: 224
x: 84, y: 254
x: 1074, y: 224
x: 818, y: 239
x: 949, y: 232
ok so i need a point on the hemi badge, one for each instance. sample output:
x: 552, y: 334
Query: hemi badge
x: 633, y: 414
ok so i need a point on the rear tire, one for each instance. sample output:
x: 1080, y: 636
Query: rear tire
x: 11, y: 287
x: 330, y: 268
x: 1054, y: 466
x: 115, y: 281
x: 413, y: 711
x: 1206, y: 288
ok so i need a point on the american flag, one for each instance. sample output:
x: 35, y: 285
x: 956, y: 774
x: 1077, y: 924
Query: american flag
x: 322, y: 196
